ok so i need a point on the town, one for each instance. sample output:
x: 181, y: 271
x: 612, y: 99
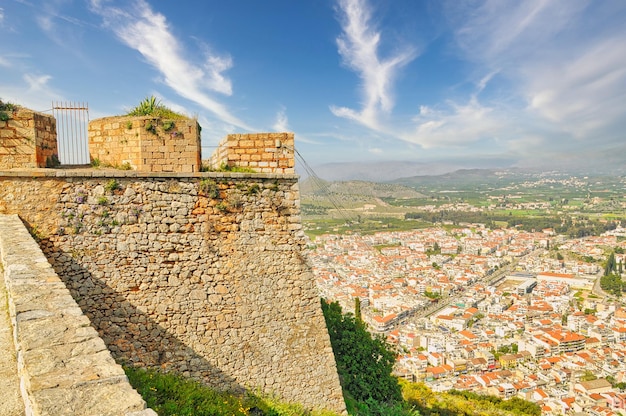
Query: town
x: 496, y: 311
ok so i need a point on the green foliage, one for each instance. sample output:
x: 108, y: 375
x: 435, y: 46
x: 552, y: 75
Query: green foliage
x: 611, y: 265
x: 112, y: 185
x: 150, y: 106
x: 221, y: 206
x: 225, y: 167
x: 588, y: 376
x: 150, y: 127
x: 5, y: 109
x: 364, y: 362
x: 169, y: 394
x: 612, y: 283
x: 53, y: 161
x: 463, y: 403
x: 95, y: 162
x: 168, y: 125
x: 253, y: 189
x: 531, y: 221
x: 432, y: 295
x: 129, y: 125
x: 208, y: 188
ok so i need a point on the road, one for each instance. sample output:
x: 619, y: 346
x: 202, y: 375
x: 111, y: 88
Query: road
x: 488, y: 279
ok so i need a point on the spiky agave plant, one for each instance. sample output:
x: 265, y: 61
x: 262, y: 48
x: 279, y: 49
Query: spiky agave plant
x: 149, y: 106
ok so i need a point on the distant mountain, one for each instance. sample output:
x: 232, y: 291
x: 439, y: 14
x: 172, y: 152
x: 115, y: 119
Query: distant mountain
x: 470, y: 169
x: 464, y: 177
x: 380, y: 171
x: 317, y: 187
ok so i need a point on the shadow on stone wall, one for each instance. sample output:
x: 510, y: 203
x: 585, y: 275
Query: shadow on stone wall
x: 132, y: 335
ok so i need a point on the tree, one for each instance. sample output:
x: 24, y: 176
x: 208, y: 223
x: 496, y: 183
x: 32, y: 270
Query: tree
x: 610, y: 265
x: 357, y: 308
x: 364, y: 362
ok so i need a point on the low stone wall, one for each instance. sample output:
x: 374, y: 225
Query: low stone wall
x: 63, y: 365
x: 261, y: 152
x: 28, y: 140
x: 146, y: 143
x: 198, y: 274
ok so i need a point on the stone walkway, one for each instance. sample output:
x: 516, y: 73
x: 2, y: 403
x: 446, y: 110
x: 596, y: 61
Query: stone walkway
x: 11, y: 403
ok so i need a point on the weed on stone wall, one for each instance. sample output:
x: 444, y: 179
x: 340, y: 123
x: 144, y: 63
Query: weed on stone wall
x: 53, y: 161
x: 112, y: 185
x: 208, y: 187
x: 6, y: 109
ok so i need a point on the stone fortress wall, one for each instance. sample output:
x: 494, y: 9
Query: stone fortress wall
x: 202, y: 275
x: 196, y: 273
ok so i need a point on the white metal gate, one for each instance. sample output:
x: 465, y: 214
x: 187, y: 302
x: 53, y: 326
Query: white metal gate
x: 72, y: 137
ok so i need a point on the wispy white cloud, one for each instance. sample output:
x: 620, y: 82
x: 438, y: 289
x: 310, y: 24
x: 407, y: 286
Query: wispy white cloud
x: 148, y: 32
x: 281, y: 123
x: 359, y: 48
x: 563, y: 59
x: 456, y: 125
x: 1, y: 16
x: 37, y: 82
x: 34, y: 92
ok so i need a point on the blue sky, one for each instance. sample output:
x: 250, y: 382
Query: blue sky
x: 490, y: 83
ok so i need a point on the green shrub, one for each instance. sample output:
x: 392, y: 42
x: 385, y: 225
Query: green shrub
x: 150, y: 106
x: 6, y: 109
x: 168, y: 125
x: 364, y: 362
x: 208, y: 188
x: 112, y: 185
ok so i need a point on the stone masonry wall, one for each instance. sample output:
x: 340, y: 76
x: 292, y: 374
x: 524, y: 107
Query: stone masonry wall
x: 27, y: 140
x: 63, y: 366
x: 202, y: 275
x: 146, y: 143
x: 261, y: 152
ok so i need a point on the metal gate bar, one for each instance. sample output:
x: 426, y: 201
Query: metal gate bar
x: 72, y: 137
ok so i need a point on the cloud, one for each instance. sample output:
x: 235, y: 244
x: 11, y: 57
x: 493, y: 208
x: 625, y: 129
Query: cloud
x: 282, y: 123
x: 37, y: 82
x: 563, y: 60
x: 1, y: 16
x: 455, y: 126
x: 359, y: 48
x: 148, y: 32
x: 34, y: 93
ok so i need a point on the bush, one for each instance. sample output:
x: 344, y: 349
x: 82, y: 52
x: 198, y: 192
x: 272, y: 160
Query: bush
x: 364, y: 362
x: 150, y: 106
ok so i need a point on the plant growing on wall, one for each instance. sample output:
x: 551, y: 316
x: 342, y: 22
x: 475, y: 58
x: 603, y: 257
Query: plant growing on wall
x: 168, y: 125
x: 5, y: 109
x: 151, y: 106
x: 208, y: 187
x: 112, y: 185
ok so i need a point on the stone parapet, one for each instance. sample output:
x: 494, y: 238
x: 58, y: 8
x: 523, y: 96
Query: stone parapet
x: 63, y: 365
x: 146, y: 143
x: 260, y: 152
